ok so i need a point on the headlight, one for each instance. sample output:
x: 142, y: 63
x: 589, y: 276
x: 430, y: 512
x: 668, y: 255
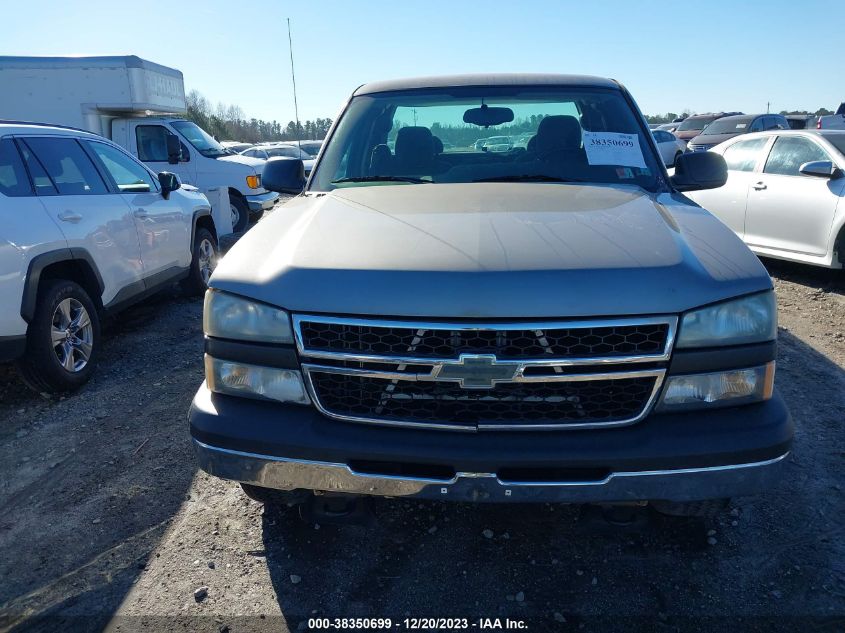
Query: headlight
x: 719, y: 389
x: 253, y: 182
x: 747, y: 320
x: 232, y: 317
x: 265, y: 383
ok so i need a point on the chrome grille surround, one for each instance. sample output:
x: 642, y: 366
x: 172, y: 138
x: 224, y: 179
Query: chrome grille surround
x: 427, y: 369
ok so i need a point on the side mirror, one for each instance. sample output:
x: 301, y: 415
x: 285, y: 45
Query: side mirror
x: 169, y: 182
x: 174, y: 149
x: 285, y: 175
x: 821, y: 169
x: 699, y: 170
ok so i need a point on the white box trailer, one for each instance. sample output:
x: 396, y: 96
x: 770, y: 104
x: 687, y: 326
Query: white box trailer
x: 137, y: 104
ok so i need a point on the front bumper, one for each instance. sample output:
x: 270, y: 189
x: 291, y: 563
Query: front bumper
x: 677, y: 457
x: 262, y: 201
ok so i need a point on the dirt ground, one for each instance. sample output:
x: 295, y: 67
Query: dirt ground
x: 105, y: 521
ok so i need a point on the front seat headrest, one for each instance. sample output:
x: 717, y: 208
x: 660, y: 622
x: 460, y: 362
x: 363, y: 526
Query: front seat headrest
x: 558, y: 132
x: 414, y: 141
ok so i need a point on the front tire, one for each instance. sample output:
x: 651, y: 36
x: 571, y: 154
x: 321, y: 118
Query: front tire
x: 63, y: 339
x: 240, y: 213
x: 203, y: 262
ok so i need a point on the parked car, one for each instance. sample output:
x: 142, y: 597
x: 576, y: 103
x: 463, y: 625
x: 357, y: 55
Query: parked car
x: 312, y: 147
x: 281, y: 150
x: 396, y: 331
x: 801, y: 121
x: 235, y: 146
x: 87, y: 231
x: 693, y: 125
x: 728, y: 127
x: 669, y: 127
x: 833, y: 121
x: 784, y: 194
x: 479, y: 144
x: 498, y: 144
x: 669, y: 146
x: 131, y: 101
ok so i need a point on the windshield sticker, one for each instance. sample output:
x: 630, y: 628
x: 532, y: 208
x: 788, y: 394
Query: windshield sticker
x: 624, y: 172
x: 740, y: 126
x: 613, y: 148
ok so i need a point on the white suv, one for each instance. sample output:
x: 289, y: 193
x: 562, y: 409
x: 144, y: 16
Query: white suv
x: 86, y: 230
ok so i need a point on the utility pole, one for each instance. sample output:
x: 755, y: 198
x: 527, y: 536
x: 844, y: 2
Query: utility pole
x: 768, y: 103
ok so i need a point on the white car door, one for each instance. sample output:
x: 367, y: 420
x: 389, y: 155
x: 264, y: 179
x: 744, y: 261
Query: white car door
x: 150, y: 140
x: 728, y: 203
x: 788, y: 211
x: 164, y: 229
x: 90, y: 216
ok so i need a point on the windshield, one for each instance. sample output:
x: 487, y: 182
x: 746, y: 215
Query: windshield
x: 200, y: 139
x: 837, y: 140
x: 728, y: 126
x: 422, y: 137
x: 694, y: 124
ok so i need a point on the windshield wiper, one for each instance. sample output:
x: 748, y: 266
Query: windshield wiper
x: 382, y: 179
x: 528, y: 178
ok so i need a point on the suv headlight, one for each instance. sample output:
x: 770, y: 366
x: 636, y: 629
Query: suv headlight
x: 751, y: 319
x: 718, y: 389
x: 232, y: 317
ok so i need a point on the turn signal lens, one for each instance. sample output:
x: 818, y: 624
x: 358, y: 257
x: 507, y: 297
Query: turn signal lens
x: 253, y: 182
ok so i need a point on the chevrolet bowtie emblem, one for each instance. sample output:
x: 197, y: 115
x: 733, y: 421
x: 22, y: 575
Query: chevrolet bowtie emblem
x: 476, y: 371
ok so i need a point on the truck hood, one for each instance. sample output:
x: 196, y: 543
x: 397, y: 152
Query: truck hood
x: 490, y: 250
x: 256, y: 163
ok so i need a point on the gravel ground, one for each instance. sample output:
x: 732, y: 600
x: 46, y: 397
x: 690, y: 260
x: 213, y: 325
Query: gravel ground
x: 105, y: 521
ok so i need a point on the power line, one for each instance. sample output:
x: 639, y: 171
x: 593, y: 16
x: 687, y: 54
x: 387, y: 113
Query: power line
x: 293, y: 80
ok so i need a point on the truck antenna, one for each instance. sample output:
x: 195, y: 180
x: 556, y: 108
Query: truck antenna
x: 293, y: 80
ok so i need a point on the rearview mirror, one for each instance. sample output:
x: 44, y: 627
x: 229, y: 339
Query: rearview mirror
x: 821, y: 169
x: 695, y: 171
x: 285, y: 175
x: 485, y: 116
x: 174, y: 149
x: 169, y: 182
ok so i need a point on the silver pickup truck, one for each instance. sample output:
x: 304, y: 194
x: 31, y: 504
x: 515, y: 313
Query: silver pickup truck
x: 552, y: 323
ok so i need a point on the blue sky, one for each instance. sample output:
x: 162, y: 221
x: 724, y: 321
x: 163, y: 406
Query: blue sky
x: 712, y: 55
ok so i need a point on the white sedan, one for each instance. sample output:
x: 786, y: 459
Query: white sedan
x: 785, y: 195
x: 281, y: 150
x: 669, y: 145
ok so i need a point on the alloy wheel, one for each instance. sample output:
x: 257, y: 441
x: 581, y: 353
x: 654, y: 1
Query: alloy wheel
x: 207, y: 260
x: 72, y: 335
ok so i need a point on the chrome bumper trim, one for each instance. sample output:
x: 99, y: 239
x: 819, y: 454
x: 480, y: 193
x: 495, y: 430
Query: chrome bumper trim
x: 262, y: 201
x: 688, y: 484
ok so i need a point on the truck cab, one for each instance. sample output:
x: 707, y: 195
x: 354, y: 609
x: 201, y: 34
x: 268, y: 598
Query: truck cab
x: 137, y: 104
x: 201, y: 161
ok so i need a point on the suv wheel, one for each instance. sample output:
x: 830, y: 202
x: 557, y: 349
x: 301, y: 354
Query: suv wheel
x: 63, y: 339
x: 203, y: 262
x: 240, y: 214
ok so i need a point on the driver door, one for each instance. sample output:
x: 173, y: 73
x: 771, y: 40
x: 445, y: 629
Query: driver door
x: 151, y: 149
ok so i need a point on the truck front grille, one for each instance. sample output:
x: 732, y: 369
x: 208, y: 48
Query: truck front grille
x: 558, y: 403
x: 613, y: 340
x: 485, y: 376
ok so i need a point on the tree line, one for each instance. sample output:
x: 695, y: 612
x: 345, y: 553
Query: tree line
x: 229, y: 123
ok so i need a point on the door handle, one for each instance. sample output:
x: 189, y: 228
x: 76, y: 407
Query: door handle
x: 141, y: 214
x: 759, y: 186
x: 70, y: 216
